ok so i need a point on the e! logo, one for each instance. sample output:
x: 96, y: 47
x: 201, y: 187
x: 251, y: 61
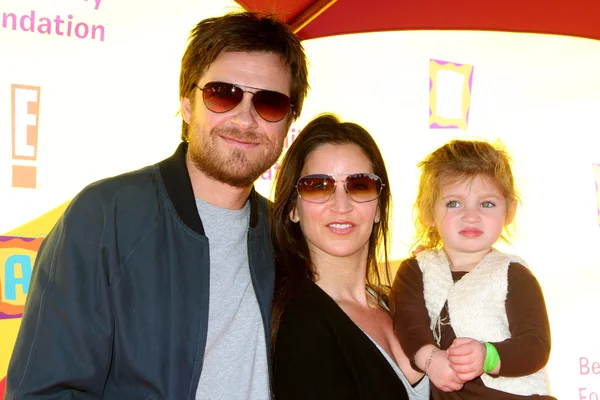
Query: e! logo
x: 25, y: 120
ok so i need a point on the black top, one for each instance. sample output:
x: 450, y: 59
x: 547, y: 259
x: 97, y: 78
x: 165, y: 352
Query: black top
x: 321, y: 354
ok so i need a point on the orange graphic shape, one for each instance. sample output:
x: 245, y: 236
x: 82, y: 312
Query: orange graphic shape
x: 24, y: 177
x: 33, y: 108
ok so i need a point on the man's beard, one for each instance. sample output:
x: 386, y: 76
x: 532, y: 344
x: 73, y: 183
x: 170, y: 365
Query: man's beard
x: 237, y: 168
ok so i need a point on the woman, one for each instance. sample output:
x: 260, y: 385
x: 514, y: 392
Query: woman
x: 332, y: 332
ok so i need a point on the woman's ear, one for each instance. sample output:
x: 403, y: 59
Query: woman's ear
x: 377, y: 215
x: 294, y: 216
x: 511, y: 211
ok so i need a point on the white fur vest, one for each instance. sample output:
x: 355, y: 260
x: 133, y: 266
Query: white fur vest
x: 476, y: 305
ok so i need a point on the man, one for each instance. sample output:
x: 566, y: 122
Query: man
x: 157, y: 284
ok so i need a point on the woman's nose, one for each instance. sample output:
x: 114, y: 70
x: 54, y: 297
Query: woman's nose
x: 340, y: 200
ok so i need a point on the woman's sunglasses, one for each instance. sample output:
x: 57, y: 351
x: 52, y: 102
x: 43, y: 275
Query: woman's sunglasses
x: 220, y: 97
x: 319, y: 188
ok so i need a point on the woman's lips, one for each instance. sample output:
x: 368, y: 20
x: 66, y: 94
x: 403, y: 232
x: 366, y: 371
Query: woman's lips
x: 340, y: 227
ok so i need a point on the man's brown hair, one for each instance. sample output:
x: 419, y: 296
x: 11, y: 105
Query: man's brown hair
x: 243, y: 32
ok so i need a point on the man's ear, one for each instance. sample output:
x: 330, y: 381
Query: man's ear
x: 186, y: 109
x: 511, y: 211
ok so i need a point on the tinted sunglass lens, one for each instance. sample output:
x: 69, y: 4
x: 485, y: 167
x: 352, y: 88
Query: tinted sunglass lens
x: 271, y: 106
x: 363, y: 187
x: 221, y: 97
x: 316, y: 188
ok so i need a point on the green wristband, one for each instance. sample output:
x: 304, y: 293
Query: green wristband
x: 492, y: 358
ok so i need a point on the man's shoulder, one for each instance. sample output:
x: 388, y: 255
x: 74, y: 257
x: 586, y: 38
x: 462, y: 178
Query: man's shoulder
x: 128, y: 181
x: 116, y: 194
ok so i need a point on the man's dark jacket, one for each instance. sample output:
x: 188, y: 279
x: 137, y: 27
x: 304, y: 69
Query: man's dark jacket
x: 118, y: 301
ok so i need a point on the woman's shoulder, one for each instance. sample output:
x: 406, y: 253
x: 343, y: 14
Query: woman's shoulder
x: 311, y: 314
x: 308, y: 300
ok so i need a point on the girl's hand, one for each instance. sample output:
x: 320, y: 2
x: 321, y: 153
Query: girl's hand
x: 441, y: 375
x: 466, y: 357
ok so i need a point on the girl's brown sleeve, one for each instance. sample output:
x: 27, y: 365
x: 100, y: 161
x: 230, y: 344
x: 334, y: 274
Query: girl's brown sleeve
x: 528, y: 349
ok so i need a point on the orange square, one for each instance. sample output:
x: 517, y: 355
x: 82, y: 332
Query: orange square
x: 24, y: 176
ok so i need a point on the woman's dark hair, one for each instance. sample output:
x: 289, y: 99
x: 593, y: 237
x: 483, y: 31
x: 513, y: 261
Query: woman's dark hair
x: 292, y: 258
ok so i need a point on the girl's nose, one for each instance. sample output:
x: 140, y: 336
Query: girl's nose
x: 471, y: 215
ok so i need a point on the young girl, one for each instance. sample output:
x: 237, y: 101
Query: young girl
x: 470, y: 317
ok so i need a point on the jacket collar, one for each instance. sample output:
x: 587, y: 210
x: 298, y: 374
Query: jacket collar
x: 179, y: 189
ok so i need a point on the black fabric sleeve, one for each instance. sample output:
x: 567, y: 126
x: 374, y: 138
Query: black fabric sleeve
x: 64, y: 346
x: 308, y: 362
x: 528, y: 349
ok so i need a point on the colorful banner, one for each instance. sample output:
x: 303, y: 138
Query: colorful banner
x: 16, y: 264
x: 18, y: 249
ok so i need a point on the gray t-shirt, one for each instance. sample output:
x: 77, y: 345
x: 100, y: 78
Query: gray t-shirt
x: 235, y: 359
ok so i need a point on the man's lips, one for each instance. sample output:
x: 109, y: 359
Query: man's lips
x: 471, y: 232
x: 242, y: 141
x: 243, y: 144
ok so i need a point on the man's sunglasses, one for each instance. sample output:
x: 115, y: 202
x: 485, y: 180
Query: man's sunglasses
x: 220, y: 97
x: 319, y: 188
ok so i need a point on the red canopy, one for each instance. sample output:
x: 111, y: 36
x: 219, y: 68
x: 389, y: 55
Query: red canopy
x: 313, y: 19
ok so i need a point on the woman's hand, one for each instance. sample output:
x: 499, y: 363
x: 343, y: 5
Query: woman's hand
x: 441, y: 375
